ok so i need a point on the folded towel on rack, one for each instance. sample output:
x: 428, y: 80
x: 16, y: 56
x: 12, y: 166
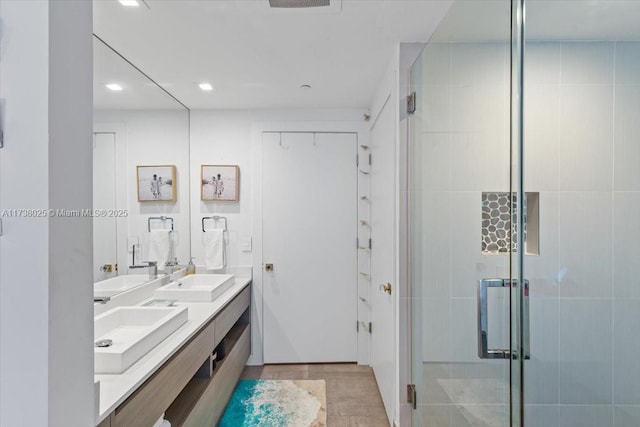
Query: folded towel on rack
x: 213, y: 241
x: 159, y: 247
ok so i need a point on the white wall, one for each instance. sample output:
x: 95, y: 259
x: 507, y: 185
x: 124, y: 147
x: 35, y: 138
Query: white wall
x: 46, y: 351
x: 149, y: 138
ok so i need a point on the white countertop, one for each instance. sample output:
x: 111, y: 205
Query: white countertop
x: 116, y: 388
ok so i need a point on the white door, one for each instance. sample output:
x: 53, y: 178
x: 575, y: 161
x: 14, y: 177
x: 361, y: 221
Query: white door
x: 104, y: 197
x: 309, y: 203
x: 383, y: 255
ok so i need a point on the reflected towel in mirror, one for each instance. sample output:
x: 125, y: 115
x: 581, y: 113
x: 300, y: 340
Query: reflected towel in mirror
x: 159, y: 246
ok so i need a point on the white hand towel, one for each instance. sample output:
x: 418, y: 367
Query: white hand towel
x: 159, y: 247
x: 213, y: 241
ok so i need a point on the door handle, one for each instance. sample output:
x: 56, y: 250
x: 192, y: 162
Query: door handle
x: 483, y: 324
x: 386, y: 288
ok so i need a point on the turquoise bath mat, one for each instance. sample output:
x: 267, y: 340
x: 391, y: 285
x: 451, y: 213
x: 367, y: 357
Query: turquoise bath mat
x: 277, y: 403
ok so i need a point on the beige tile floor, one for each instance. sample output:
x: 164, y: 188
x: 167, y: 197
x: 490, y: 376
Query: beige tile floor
x: 353, y: 399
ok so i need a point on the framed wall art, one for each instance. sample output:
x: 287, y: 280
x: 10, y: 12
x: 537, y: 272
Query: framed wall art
x: 156, y: 183
x: 219, y: 183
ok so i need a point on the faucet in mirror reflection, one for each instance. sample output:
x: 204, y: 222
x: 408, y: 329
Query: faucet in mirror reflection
x: 158, y: 245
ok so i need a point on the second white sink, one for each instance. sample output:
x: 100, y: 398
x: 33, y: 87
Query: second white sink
x: 115, y: 285
x: 125, y: 334
x: 196, y: 287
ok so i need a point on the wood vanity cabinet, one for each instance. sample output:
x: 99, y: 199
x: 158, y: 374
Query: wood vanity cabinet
x: 174, y: 389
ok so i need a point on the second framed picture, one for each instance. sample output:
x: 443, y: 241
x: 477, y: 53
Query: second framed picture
x: 219, y: 183
x: 156, y: 183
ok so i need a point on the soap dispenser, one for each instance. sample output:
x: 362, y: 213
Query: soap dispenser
x: 191, y: 267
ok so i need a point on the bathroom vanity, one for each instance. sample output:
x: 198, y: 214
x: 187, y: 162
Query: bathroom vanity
x: 177, y: 378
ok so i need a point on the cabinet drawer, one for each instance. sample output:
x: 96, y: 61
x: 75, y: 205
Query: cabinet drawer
x: 230, y: 314
x: 148, y: 403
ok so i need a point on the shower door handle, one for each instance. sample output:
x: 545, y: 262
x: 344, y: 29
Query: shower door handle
x: 483, y: 320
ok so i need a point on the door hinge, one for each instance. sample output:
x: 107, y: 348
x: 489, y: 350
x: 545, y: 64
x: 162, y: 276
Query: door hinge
x: 1, y: 139
x: 358, y: 322
x: 412, y: 396
x: 370, y: 327
x: 357, y: 160
x: 369, y: 159
x: 411, y: 103
x: 1, y: 230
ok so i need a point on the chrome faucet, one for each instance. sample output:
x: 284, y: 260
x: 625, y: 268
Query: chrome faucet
x: 151, y: 265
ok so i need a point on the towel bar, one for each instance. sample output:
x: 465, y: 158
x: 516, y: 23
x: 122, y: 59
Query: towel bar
x: 159, y: 218
x: 215, y: 218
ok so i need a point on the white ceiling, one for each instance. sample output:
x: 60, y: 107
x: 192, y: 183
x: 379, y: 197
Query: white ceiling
x: 257, y: 57
x: 138, y: 92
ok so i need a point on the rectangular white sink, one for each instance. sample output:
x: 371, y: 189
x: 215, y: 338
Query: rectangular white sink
x: 132, y: 333
x: 115, y: 285
x: 196, y: 287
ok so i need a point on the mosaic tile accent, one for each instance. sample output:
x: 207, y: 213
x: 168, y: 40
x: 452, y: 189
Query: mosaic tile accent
x: 497, y: 230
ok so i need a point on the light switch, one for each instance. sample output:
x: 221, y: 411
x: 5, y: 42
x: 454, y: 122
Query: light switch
x: 246, y: 244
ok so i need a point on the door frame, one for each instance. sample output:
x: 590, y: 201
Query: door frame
x: 330, y: 125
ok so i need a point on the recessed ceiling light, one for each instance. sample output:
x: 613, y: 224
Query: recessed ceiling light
x: 114, y: 87
x: 305, y: 87
x: 206, y: 86
x: 129, y: 3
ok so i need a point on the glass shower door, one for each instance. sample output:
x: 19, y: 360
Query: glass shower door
x: 463, y: 211
x: 582, y: 154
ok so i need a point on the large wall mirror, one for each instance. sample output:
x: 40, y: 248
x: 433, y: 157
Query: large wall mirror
x: 141, y: 170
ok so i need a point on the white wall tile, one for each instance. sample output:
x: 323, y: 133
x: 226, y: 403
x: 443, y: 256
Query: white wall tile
x: 436, y: 326
x: 542, y: 64
x: 627, y: 135
x: 434, y: 153
x: 434, y: 107
x: 542, y: 416
x: 480, y: 161
x: 585, y: 370
x: 626, y: 416
x: 626, y: 246
x: 586, y: 137
x: 587, y: 63
x: 626, y: 349
x: 464, y: 340
x: 479, y: 63
x: 628, y: 63
x: 435, y: 64
x: 586, y: 246
x: 436, y: 245
x: 586, y: 416
x: 542, y: 137
x: 541, y: 371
